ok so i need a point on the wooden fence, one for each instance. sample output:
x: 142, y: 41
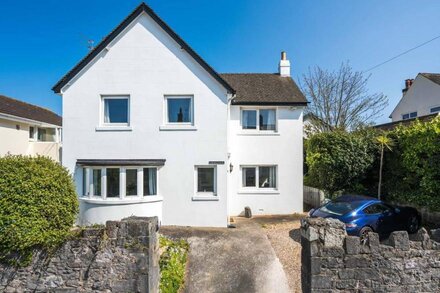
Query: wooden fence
x: 313, y: 197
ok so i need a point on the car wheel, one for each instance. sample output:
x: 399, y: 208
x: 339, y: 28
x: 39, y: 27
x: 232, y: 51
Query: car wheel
x: 413, y: 224
x: 363, y: 234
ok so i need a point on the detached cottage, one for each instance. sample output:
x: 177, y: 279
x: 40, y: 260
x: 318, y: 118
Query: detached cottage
x: 150, y: 129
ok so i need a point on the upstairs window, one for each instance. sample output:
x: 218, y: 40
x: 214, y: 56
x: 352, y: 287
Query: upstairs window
x: 259, y: 119
x: 435, y: 109
x: 179, y: 109
x: 115, y: 110
x: 409, y: 115
x: 46, y: 134
x: 31, y: 133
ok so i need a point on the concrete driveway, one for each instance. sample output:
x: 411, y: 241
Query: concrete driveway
x: 230, y: 260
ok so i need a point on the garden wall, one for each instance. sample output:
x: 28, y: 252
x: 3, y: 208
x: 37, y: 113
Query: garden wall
x: 120, y: 257
x: 335, y: 262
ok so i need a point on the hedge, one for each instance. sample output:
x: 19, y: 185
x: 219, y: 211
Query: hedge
x: 38, y: 206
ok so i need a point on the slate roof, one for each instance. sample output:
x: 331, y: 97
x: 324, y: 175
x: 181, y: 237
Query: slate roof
x: 434, y: 77
x: 21, y: 109
x: 264, y: 89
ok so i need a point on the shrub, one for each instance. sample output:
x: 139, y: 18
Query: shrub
x: 338, y: 161
x: 172, y: 264
x: 38, y: 206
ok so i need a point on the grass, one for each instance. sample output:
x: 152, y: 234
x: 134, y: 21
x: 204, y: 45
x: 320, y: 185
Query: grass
x: 172, y: 264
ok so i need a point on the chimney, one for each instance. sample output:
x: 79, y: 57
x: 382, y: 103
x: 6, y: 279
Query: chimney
x: 408, y: 84
x: 284, y: 66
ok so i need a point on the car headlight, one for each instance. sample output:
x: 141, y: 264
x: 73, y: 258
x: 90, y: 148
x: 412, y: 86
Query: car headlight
x: 350, y: 225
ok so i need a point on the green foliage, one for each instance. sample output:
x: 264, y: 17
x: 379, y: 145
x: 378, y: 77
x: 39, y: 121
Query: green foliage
x: 38, y: 206
x: 172, y: 264
x: 339, y: 160
x: 418, y: 159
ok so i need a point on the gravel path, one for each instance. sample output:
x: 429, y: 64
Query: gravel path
x: 284, y: 236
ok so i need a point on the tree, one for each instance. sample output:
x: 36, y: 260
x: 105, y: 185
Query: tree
x: 337, y: 161
x: 340, y: 99
x: 384, y: 142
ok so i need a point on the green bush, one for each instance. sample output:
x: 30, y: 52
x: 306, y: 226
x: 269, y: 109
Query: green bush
x: 338, y: 161
x: 172, y: 264
x: 413, y: 171
x: 38, y: 206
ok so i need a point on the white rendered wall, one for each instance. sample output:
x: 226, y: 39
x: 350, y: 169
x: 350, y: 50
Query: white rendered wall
x: 284, y: 149
x: 16, y: 141
x: 13, y: 141
x: 421, y: 97
x: 146, y: 64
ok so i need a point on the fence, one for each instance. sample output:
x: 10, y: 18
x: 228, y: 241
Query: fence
x: 313, y: 197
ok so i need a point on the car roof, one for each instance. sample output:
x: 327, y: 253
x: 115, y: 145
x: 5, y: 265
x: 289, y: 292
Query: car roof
x: 356, y: 198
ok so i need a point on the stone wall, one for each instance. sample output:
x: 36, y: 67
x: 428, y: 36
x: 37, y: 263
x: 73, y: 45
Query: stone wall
x: 335, y: 262
x: 120, y: 257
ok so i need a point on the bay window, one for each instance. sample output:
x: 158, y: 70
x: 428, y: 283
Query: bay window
x: 264, y: 177
x: 119, y: 182
x: 259, y: 119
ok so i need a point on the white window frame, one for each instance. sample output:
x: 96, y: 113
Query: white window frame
x: 257, y: 178
x: 34, y: 132
x: 409, y: 115
x: 166, y: 118
x: 257, y: 129
x: 102, y: 111
x: 205, y: 195
x: 88, y: 190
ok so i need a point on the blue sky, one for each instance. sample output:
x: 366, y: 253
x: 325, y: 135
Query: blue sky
x: 42, y: 40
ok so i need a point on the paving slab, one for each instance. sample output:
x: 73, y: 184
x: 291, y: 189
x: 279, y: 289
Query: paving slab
x: 224, y: 260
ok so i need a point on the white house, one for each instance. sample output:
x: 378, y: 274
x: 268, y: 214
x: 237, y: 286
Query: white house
x: 150, y: 129
x: 27, y: 129
x: 421, y: 97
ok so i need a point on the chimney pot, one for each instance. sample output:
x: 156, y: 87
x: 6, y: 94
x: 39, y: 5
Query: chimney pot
x: 284, y: 65
x: 408, y: 84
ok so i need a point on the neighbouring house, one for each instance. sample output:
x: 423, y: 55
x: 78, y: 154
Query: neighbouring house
x: 420, y: 97
x: 27, y: 129
x: 150, y: 129
x: 420, y: 100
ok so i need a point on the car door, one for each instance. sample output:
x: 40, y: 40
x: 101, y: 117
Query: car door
x: 381, y: 217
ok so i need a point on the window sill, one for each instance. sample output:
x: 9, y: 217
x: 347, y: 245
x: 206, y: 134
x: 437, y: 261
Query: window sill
x: 258, y: 133
x: 119, y: 201
x: 205, y: 198
x: 113, y: 128
x: 177, y: 128
x: 258, y: 191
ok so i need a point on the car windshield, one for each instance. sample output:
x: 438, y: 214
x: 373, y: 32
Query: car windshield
x: 339, y: 207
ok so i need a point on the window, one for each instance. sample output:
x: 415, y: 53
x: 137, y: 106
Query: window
x: 435, y: 109
x: 258, y: 119
x: 112, y: 182
x: 249, y: 120
x: 31, y: 133
x: 206, y: 179
x: 409, y: 115
x: 131, y: 182
x: 115, y: 110
x: 179, y: 109
x: 96, y: 182
x: 46, y: 134
x: 375, y: 209
x: 259, y: 177
x: 267, y: 119
x: 150, y: 181
x: 116, y: 186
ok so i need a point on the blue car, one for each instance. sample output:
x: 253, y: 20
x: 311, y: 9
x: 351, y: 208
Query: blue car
x: 363, y: 214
